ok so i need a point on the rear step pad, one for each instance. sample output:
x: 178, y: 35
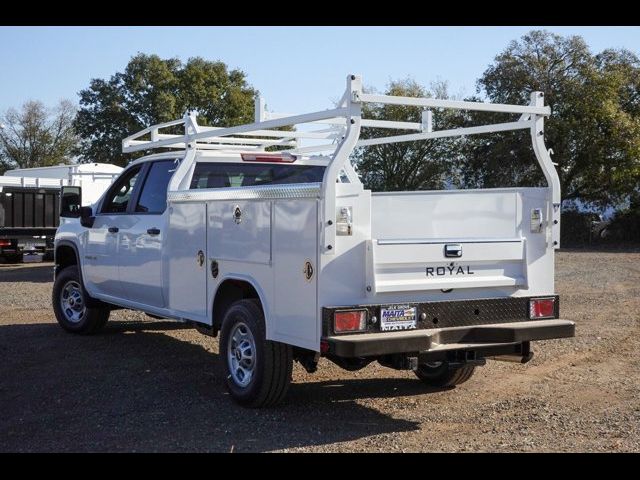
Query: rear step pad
x: 454, y: 338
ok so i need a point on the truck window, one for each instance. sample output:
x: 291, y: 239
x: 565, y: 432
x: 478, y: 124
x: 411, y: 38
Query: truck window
x: 220, y: 175
x: 153, y: 198
x: 119, y: 195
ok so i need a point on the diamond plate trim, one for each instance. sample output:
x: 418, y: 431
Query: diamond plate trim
x: 262, y: 192
x: 465, y: 313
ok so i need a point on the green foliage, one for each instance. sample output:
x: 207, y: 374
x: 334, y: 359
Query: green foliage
x: 594, y: 129
x: 36, y: 136
x: 153, y: 90
x: 576, y: 228
x: 625, y: 225
x: 408, y: 165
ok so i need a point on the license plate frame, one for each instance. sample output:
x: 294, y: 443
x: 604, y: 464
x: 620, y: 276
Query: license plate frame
x: 31, y: 245
x: 398, y: 317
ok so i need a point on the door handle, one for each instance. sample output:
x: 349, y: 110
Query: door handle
x: 153, y: 231
x: 114, y: 229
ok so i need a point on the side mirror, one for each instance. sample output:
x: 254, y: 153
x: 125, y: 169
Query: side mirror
x: 70, y: 202
x: 86, y: 217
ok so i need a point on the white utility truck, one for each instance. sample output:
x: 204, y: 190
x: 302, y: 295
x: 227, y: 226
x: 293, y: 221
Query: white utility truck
x: 30, y: 200
x: 269, y: 237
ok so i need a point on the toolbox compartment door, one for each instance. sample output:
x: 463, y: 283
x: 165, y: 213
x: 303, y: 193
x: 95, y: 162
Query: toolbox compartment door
x: 295, y: 246
x: 185, y: 277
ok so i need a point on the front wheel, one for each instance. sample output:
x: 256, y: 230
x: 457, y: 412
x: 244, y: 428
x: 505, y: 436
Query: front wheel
x: 257, y: 370
x: 440, y: 374
x: 70, y: 304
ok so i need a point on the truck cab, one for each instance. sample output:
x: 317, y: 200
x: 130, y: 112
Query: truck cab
x: 258, y: 235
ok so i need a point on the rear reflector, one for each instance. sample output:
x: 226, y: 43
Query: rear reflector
x: 262, y: 157
x: 542, y: 308
x: 349, y: 321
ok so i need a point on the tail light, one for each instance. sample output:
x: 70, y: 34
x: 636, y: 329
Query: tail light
x: 349, y: 321
x: 265, y: 157
x: 542, y: 308
x: 5, y: 243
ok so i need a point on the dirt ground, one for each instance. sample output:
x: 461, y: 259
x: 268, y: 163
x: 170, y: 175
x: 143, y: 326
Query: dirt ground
x: 149, y: 385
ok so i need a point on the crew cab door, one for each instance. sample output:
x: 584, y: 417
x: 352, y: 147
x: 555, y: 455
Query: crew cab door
x: 100, y: 265
x: 141, y: 238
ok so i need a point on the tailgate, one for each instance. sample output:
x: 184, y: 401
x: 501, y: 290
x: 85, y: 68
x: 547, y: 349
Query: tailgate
x: 408, y: 265
x: 443, y: 240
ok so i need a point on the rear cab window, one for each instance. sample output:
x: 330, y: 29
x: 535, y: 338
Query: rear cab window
x: 222, y: 175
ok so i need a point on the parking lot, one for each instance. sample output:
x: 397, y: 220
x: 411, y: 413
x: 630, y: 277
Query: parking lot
x: 152, y: 385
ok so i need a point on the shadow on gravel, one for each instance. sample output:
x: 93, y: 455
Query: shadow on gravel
x: 133, y: 388
x: 340, y: 390
x: 116, y: 327
x: 41, y: 273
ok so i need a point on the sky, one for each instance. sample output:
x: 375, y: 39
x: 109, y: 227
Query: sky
x: 296, y: 69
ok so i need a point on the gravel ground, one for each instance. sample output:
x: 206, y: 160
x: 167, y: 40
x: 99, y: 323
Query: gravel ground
x: 148, y: 385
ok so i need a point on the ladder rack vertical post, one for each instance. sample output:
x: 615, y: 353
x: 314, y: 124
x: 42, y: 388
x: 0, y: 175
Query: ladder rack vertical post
x: 340, y: 157
x: 550, y: 173
x: 259, y: 109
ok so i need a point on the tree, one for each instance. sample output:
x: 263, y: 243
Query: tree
x: 417, y: 165
x: 594, y: 129
x: 36, y: 136
x: 153, y: 90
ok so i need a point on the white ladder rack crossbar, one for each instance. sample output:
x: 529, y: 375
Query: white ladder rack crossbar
x: 245, y: 135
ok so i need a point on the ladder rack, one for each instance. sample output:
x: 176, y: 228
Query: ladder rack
x: 262, y: 133
x: 337, y: 131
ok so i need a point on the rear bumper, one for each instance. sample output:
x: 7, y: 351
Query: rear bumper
x: 476, y: 337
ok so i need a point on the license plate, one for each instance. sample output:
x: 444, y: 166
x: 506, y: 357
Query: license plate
x: 398, y: 317
x: 30, y: 245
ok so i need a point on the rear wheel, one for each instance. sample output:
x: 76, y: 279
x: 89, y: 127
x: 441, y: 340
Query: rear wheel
x: 440, y: 374
x: 257, y: 370
x: 70, y: 304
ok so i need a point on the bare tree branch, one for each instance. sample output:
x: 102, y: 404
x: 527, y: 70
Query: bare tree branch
x: 36, y: 136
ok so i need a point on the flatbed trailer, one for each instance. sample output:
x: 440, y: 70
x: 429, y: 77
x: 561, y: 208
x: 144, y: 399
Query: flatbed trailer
x: 30, y: 204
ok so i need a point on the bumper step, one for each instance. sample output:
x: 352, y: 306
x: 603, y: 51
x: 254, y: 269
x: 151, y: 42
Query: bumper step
x: 453, y: 338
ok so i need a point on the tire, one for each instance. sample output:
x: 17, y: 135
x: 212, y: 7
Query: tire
x: 440, y: 375
x: 257, y: 371
x: 69, y: 300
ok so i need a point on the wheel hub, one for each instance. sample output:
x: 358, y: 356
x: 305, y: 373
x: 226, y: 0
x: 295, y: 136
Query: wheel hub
x: 241, y: 354
x: 71, y: 302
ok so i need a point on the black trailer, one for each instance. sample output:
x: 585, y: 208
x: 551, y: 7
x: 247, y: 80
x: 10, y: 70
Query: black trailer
x: 29, y: 218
